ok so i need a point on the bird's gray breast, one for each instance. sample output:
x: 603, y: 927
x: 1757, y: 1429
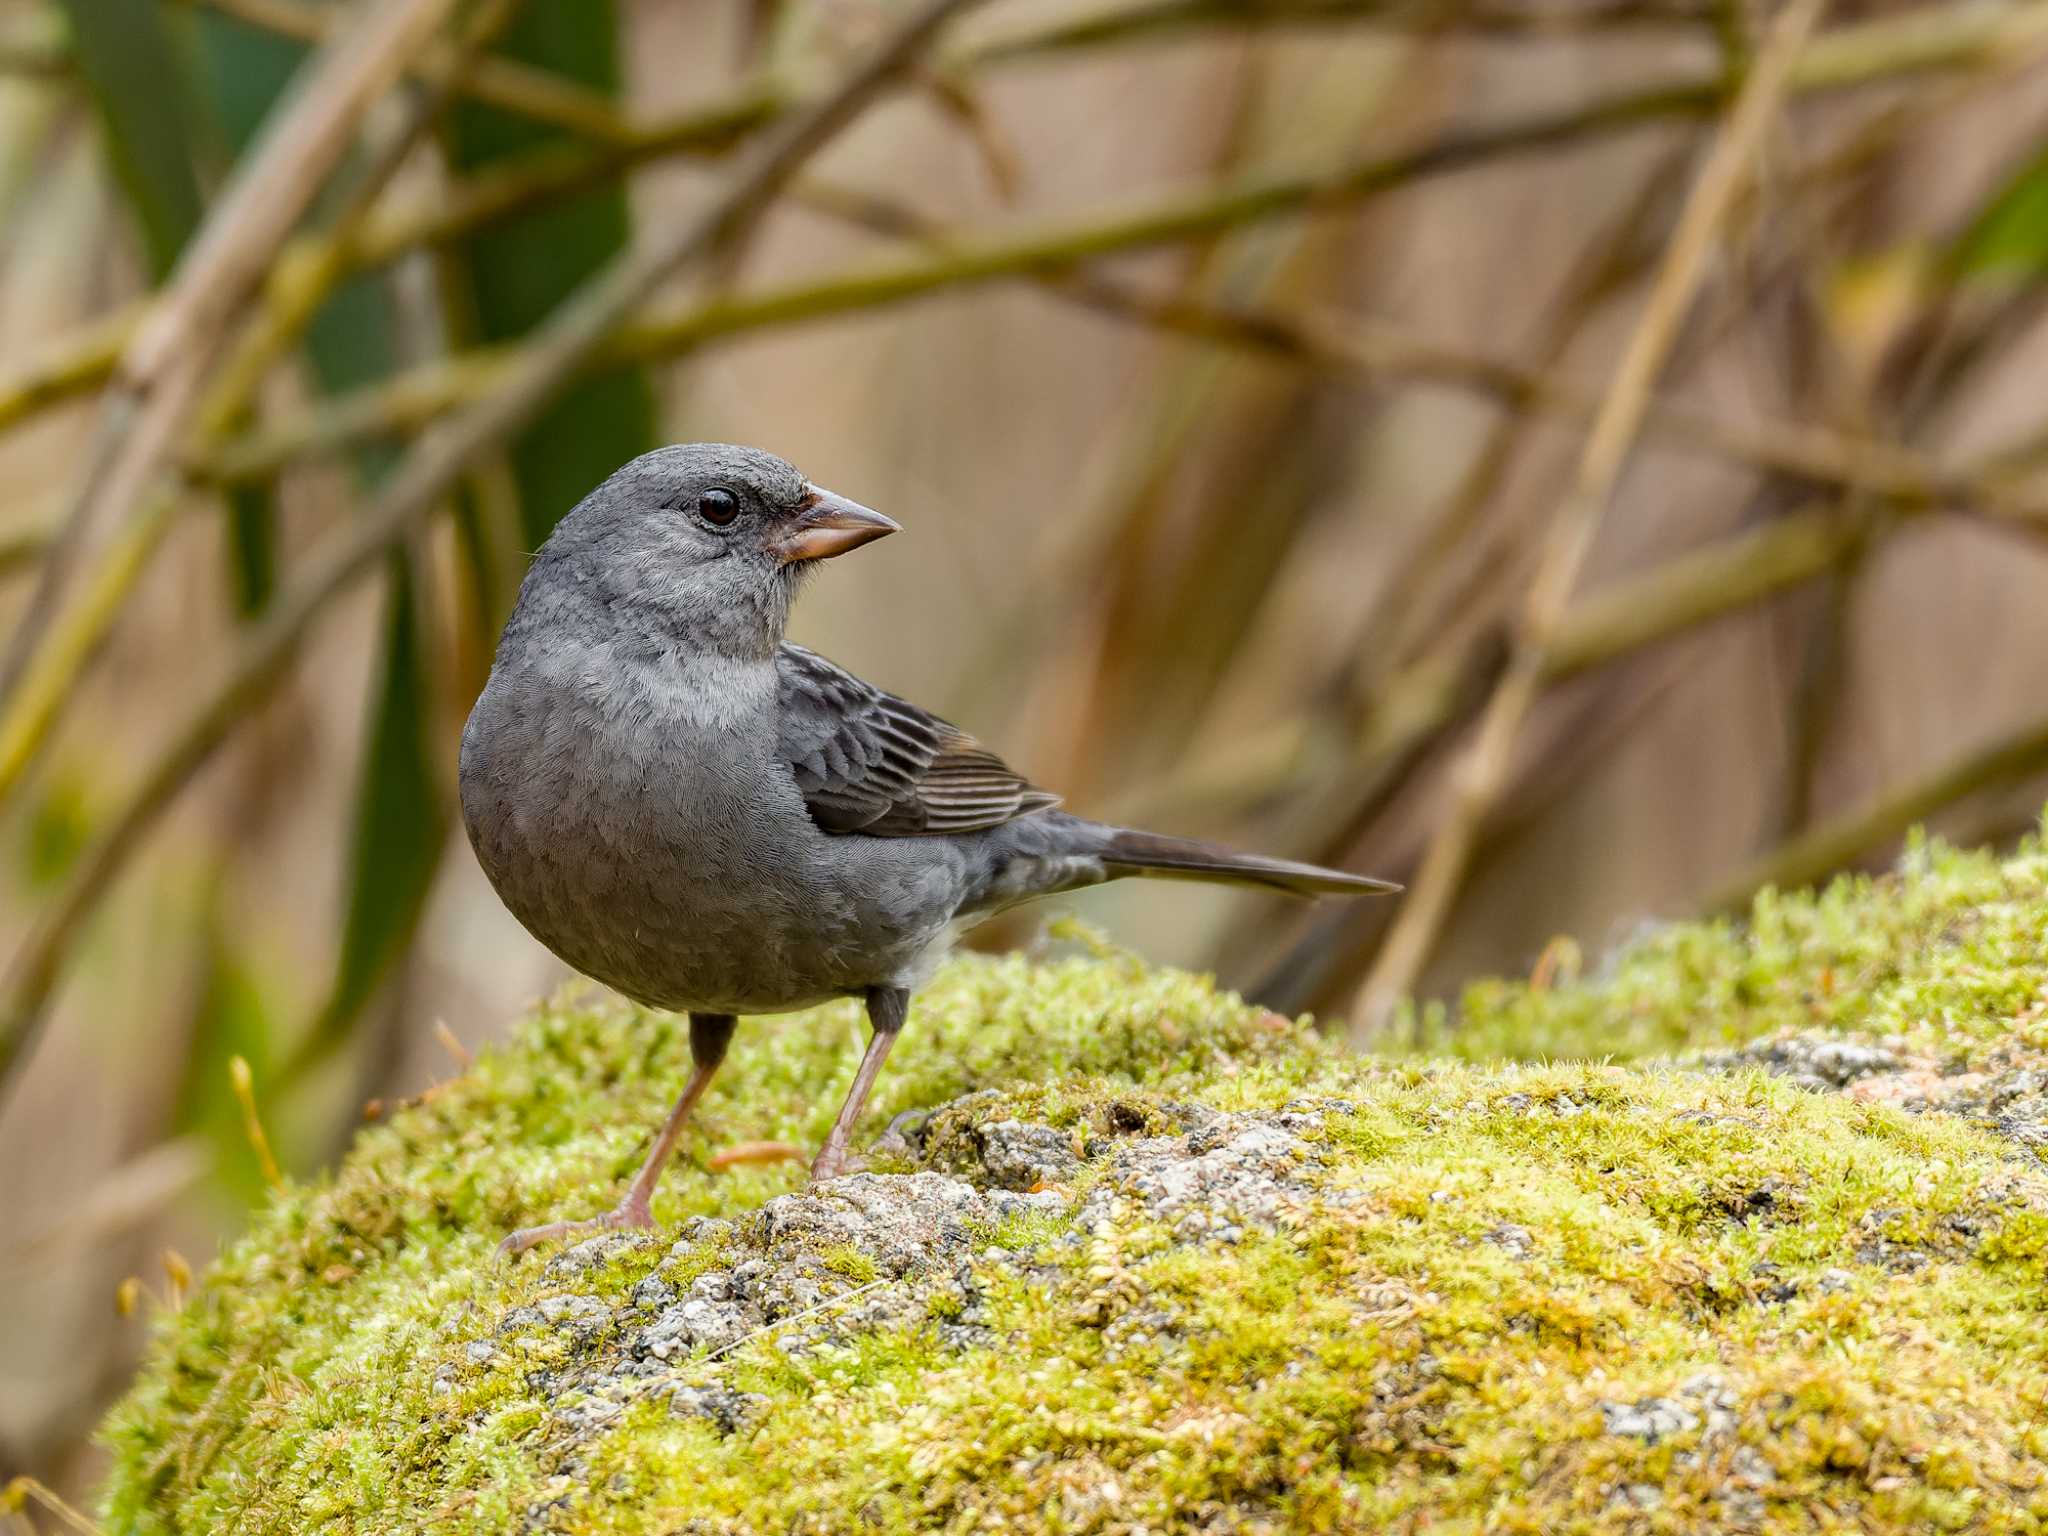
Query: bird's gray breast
x: 632, y: 813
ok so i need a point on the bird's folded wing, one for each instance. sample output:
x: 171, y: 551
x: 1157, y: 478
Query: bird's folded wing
x: 867, y: 761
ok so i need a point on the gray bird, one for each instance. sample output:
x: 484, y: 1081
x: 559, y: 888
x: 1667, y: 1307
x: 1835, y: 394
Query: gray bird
x: 685, y: 807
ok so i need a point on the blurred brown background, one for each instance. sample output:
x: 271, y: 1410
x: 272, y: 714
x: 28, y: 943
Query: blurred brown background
x: 1226, y: 362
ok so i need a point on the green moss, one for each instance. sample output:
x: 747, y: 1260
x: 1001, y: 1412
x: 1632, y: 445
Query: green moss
x: 1505, y: 1295
x: 1949, y: 956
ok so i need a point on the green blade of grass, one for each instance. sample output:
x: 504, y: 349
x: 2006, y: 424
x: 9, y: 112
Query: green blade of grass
x: 230, y: 1016
x: 2009, y: 236
x: 401, y: 821
x: 141, y: 90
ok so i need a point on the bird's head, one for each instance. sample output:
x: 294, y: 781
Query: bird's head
x: 709, y: 536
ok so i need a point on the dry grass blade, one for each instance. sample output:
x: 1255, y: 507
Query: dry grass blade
x: 557, y: 351
x: 1483, y: 769
x: 158, y: 382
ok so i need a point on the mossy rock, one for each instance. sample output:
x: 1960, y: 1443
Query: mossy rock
x: 1149, y: 1258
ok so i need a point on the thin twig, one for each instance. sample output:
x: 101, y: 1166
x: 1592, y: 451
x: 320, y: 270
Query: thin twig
x: 417, y: 397
x: 1167, y: 19
x: 164, y: 365
x: 538, y: 94
x: 1482, y: 770
x: 313, y: 268
x: 1836, y: 844
x: 1440, y: 578
x: 1618, y: 621
x: 575, y: 331
x: 1343, y: 343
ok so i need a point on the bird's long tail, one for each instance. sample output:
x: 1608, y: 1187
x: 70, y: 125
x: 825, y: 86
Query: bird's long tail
x: 1128, y: 852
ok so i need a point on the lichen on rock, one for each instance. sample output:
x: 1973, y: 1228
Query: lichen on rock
x: 1135, y: 1255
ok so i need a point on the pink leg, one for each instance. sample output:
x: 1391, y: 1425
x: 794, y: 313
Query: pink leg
x: 887, y: 1008
x: 709, y: 1035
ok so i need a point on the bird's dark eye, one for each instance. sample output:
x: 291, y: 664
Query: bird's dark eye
x: 718, y: 507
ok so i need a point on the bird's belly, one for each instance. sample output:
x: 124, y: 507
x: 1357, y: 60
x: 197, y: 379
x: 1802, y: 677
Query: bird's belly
x: 775, y: 937
x: 718, y: 896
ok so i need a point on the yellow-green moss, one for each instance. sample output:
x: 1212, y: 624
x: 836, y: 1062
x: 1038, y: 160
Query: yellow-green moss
x: 1829, y: 1314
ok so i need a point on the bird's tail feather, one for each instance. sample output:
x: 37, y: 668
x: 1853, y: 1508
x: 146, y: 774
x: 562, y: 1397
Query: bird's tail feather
x: 1129, y: 852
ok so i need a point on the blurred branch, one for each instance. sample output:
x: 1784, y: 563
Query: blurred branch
x: 1482, y: 770
x: 1348, y: 344
x: 1815, y: 705
x: 548, y: 98
x: 47, y: 682
x: 1176, y: 18
x: 163, y: 368
x: 1697, y: 587
x: 1618, y: 621
x: 429, y: 471
x: 1835, y: 844
x: 35, y: 45
x: 69, y: 365
x: 413, y: 399
x: 133, y: 1193
x: 1459, y: 563
x: 1931, y: 37
x: 1968, y: 33
x: 22, y: 549
x: 309, y: 270
x: 505, y: 83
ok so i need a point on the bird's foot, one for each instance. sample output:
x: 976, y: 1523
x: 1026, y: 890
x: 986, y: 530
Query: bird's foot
x: 631, y: 1213
x: 832, y: 1165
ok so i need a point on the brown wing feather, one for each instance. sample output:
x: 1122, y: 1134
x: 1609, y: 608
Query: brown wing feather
x: 867, y: 761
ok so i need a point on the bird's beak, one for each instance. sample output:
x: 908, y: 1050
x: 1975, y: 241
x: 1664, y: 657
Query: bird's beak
x: 831, y: 525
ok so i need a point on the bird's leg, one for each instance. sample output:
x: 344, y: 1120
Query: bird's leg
x: 887, y: 1007
x: 710, y: 1033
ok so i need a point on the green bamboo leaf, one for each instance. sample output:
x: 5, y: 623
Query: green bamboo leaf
x: 230, y: 1017
x: 521, y: 269
x: 2009, y: 236
x: 401, y: 821
x: 141, y: 89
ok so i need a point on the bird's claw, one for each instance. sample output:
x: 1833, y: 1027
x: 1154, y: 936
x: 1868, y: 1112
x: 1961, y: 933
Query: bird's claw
x: 628, y: 1214
x: 833, y: 1166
